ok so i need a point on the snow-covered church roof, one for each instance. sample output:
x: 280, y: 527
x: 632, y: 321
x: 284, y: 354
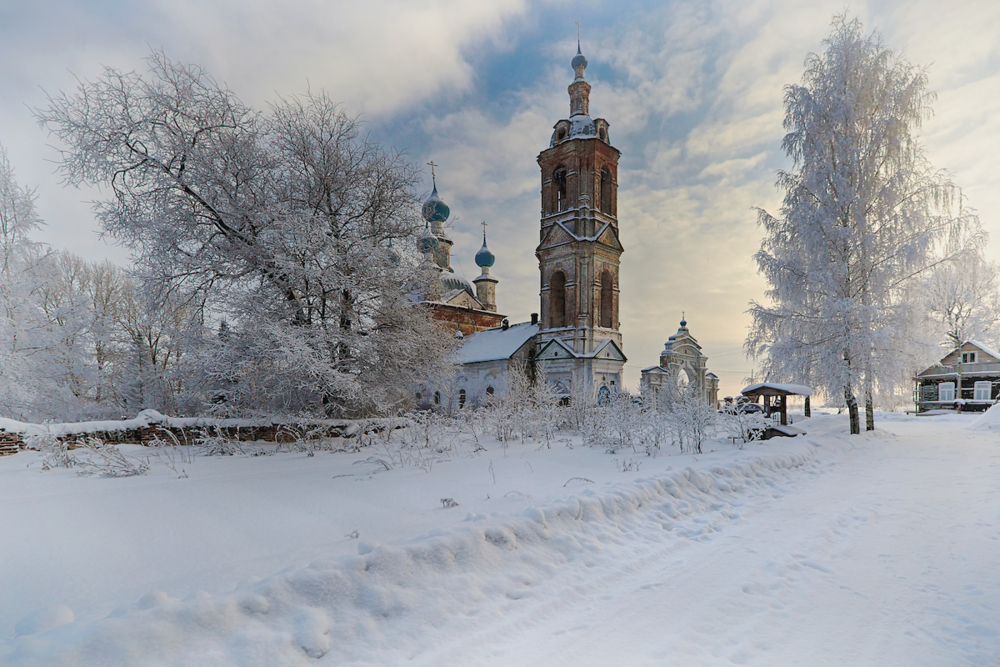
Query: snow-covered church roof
x: 495, y: 344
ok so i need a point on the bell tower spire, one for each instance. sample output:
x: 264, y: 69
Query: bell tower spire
x: 579, y: 90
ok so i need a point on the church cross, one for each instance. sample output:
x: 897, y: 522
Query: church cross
x: 484, y: 229
x: 578, y: 26
x: 432, y: 165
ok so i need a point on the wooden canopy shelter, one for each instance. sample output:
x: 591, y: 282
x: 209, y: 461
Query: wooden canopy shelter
x: 776, y: 397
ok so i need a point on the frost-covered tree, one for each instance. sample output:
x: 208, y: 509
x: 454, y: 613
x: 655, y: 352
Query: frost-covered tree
x: 280, y: 221
x: 963, y: 299
x: 864, y: 215
x: 22, y: 331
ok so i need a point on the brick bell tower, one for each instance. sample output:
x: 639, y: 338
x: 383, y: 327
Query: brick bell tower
x: 579, y: 252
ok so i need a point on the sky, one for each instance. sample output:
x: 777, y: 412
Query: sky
x: 692, y: 91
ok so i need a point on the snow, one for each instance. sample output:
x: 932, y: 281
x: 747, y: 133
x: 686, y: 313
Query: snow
x: 826, y: 549
x: 799, y: 389
x: 987, y: 421
x: 495, y: 344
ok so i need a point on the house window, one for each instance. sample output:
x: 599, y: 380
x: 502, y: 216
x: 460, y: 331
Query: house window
x: 557, y: 300
x: 968, y: 357
x: 982, y: 391
x: 946, y: 391
x: 461, y: 398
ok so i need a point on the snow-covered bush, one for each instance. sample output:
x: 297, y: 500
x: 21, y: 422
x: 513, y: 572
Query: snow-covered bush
x: 55, y: 452
x: 692, y: 418
x: 107, y: 460
x: 170, y: 452
x: 217, y: 443
x: 741, y: 424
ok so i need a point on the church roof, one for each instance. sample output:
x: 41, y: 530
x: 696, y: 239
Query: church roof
x: 496, y: 343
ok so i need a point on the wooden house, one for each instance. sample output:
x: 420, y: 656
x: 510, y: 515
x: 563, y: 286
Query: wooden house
x: 967, y: 378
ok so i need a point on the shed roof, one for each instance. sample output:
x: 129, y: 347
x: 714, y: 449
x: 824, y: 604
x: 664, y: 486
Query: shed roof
x: 777, y: 389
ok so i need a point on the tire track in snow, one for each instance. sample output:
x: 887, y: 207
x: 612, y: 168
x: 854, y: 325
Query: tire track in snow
x: 848, y: 576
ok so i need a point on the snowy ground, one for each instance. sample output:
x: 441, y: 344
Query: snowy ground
x: 827, y: 549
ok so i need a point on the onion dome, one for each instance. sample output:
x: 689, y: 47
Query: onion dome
x: 427, y: 242
x: 435, y: 210
x: 579, y: 61
x: 485, y: 258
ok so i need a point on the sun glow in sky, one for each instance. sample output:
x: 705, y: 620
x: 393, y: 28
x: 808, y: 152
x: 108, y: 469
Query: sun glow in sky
x: 692, y: 90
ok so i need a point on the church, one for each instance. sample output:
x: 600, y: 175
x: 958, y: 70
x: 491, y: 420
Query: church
x: 575, y: 337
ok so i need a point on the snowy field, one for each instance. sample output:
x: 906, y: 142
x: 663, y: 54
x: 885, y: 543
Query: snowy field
x: 880, y: 549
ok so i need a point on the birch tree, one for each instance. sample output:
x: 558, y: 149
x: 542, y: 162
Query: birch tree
x: 864, y: 215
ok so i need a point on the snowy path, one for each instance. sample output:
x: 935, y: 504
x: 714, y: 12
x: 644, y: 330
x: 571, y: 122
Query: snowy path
x: 890, y: 556
x: 875, y: 550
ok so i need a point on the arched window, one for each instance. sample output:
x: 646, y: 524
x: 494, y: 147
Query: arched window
x: 607, y: 300
x: 461, y: 398
x: 606, y: 191
x: 559, y: 190
x: 437, y: 398
x: 557, y: 300
x: 489, y: 391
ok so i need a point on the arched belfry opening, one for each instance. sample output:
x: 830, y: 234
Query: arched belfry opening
x: 559, y: 194
x: 606, y: 192
x: 607, y: 300
x: 557, y: 300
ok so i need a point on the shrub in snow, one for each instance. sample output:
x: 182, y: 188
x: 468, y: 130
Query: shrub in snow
x: 305, y: 438
x: 107, y: 460
x: 692, y: 419
x: 171, y: 454
x: 217, y: 444
x: 741, y: 425
x: 55, y: 452
x: 616, y: 425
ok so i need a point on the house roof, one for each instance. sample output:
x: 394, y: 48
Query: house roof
x: 988, y: 350
x: 496, y: 343
x: 938, y: 369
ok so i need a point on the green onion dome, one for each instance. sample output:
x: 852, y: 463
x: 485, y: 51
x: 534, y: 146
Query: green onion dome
x: 485, y: 258
x: 435, y: 210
